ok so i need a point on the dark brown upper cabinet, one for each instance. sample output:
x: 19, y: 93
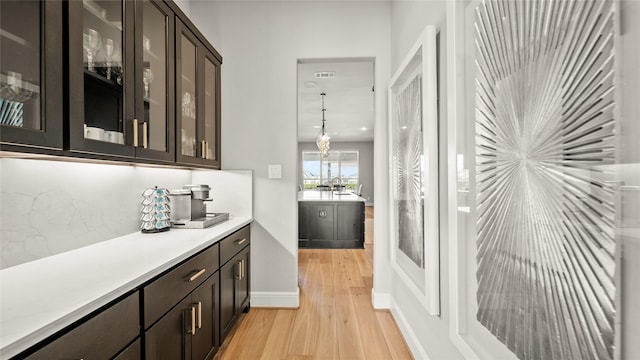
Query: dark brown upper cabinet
x: 197, y: 100
x: 121, y: 79
x: 125, y: 80
x: 31, y: 77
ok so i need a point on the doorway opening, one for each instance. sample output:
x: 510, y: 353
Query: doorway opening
x: 327, y: 183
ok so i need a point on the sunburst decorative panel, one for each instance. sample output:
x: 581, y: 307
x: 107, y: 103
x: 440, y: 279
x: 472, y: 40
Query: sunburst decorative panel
x: 545, y: 131
x: 408, y: 153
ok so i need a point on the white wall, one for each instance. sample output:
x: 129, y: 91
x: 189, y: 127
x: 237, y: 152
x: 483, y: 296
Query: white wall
x: 366, y: 164
x: 261, y: 42
x: 185, y: 6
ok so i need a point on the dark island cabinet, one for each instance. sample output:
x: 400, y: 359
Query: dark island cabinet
x: 234, y: 279
x: 121, y: 78
x: 31, y: 80
x: 331, y: 224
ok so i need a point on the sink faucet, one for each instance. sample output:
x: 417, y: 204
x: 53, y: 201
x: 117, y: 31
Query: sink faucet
x: 334, y: 180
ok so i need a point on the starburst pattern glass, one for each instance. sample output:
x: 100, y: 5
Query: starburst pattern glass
x: 545, y: 131
x: 408, y: 153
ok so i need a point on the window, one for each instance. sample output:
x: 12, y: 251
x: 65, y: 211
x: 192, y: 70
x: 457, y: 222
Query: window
x: 340, y: 167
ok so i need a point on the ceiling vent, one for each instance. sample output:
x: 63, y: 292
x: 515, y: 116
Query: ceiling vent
x: 325, y: 74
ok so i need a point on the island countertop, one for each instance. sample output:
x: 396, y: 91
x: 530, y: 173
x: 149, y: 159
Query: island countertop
x: 41, y: 297
x: 341, y: 196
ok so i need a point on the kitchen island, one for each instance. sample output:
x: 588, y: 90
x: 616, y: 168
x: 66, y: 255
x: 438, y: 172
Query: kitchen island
x: 329, y: 219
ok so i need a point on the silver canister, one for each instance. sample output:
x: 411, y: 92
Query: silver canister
x: 180, y: 205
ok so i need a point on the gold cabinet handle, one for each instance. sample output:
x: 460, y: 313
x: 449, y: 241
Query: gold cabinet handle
x: 199, y: 305
x: 135, y: 132
x: 243, y: 269
x: 239, y: 270
x: 197, y: 275
x: 207, y: 149
x: 203, y: 144
x: 241, y: 241
x: 144, y: 135
x: 193, y: 321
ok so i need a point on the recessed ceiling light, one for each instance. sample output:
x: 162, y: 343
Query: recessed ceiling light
x: 404, y: 128
x: 317, y: 126
x: 310, y: 84
x: 364, y: 128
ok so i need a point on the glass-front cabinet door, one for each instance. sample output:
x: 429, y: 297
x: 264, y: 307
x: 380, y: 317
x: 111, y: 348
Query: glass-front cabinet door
x: 31, y: 83
x: 101, y: 77
x: 198, y: 100
x: 211, y: 106
x: 154, y: 80
x: 186, y: 99
x: 120, y: 58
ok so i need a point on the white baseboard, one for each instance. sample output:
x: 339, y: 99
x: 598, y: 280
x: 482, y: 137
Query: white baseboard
x: 409, y: 335
x: 380, y: 301
x: 279, y: 299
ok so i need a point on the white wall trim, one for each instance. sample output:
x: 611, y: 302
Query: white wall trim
x: 380, y: 301
x: 409, y: 335
x: 279, y: 299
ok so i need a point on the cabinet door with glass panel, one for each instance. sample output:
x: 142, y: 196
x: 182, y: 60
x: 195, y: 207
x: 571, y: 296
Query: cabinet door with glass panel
x: 31, y: 84
x: 120, y: 78
x: 154, y: 79
x: 197, y: 100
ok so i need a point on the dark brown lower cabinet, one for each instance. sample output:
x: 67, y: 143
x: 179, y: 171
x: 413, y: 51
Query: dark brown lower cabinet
x: 183, y: 314
x: 97, y: 337
x: 234, y: 290
x: 204, y: 341
x: 190, y: 330
x: 133, y: 352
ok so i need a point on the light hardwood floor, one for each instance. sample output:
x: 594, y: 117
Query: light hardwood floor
x: 335, y: 319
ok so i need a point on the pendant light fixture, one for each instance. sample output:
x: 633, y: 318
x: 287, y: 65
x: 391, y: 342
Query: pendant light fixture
x: 323, y: 138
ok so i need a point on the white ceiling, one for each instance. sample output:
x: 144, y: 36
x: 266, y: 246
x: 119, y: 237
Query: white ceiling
x: 348, y: 101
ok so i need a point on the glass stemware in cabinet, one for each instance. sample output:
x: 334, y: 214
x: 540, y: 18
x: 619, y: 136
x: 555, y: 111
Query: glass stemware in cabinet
x: 91, y: 43
x: 108, y: 52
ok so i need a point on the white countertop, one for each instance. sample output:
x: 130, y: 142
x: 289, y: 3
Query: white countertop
x: 39, y: 298
x: 329, y: 196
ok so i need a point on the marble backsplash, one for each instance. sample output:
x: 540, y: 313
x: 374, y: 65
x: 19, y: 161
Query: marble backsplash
x: 48, y: 207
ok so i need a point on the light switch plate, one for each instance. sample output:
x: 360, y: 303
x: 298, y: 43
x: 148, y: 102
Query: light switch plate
x: 275, y: 171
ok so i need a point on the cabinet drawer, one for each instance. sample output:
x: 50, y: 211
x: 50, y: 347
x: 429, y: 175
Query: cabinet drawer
x: 164, y: 293
x: 233, y: 243
x: 96, y: 338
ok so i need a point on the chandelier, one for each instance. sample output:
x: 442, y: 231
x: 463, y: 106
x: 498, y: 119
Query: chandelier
x: 323, y: 138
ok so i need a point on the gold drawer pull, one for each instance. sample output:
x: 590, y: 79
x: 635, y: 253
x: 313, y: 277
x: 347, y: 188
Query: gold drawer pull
x: 239, y: 270
x: 144, y: 135
x: 193, y: 321
x: 197, y: 275
x: 240, y: 242
x: 199, y: 305
x: 135, y: 132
